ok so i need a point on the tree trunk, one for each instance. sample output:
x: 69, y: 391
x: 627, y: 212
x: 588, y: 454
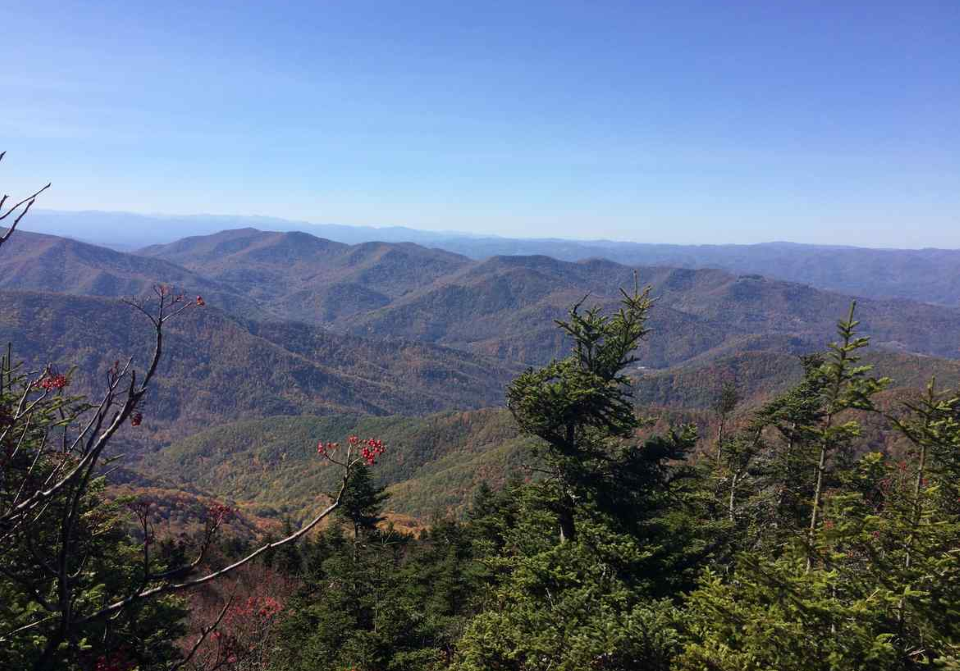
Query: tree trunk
x: 733, y: 496
x: 720, y: 440
x: 817, y: 500
x: 914, y: 523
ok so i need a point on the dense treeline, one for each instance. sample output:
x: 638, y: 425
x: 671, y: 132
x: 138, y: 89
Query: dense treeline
x: 789, y: 546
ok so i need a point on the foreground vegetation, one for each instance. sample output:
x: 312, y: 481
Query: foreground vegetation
x: 791, y: 545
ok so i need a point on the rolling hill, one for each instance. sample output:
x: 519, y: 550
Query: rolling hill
x: 505, y: 306
x: 48, y: 263
x: 761, y: 374
x: 433, y: 463
x: 302, y: 277
x: 926, y: 275
x: 306, y: 339
x: 502, y: 307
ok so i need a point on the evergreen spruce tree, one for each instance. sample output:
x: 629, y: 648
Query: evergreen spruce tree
x: 593, y: 590
x: 362, y: 501
x: 576, y: 406
x: 723, y: 406
x: 288, y: 559
x: 865, y: 573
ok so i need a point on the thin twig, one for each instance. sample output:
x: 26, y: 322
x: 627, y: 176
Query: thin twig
x: 203, y: 636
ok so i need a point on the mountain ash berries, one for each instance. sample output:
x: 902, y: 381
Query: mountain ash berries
x: 52, y: 382
x: 368, y: 449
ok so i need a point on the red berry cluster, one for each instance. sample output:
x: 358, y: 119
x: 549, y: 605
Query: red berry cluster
x: 255, y: 606
x: 268, y: 607
x: 370, y: 449
x: 326, y: 449
x: 52, y: 382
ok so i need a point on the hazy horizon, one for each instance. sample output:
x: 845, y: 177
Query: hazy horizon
x: 32, y: 225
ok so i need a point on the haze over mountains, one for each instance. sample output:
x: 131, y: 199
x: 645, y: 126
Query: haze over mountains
x: 927, y: 275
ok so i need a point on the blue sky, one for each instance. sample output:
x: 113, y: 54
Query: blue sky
x: 689, y: 122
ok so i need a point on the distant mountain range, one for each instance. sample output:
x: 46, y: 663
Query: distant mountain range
x: 502, y: 308
x: 306, y: 338
x: 505, y: 306
x: 925, y: 275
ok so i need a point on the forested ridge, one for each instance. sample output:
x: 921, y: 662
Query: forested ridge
x: 501, y: 307
x: 681, y: 476
x: 928, y: 275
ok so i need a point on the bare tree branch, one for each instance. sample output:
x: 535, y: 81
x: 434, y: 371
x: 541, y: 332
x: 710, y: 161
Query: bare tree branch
x: 203, y: 636
x: 176, y: 587
x: 28, y: 201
